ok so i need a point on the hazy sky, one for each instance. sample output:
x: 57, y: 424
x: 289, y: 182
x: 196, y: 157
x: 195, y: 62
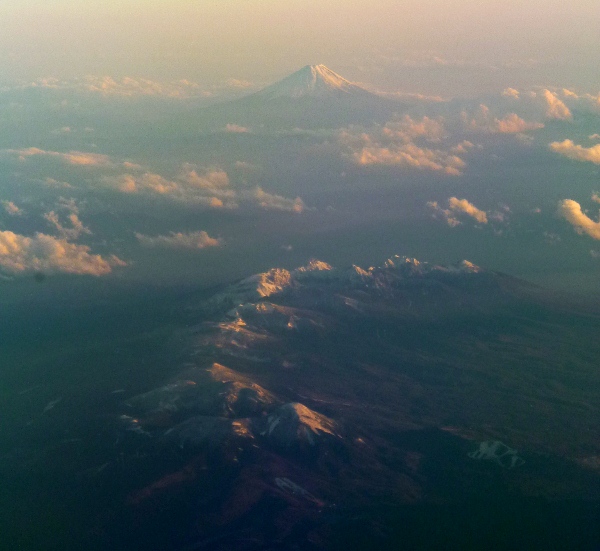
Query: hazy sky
x: 407, y: 44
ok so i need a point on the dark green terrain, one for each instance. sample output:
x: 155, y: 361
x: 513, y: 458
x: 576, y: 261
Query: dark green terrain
x: 402, y: 407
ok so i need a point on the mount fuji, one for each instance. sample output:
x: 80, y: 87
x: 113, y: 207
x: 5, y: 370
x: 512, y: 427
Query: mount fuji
x: 312, y: 97
x: 315, y: 81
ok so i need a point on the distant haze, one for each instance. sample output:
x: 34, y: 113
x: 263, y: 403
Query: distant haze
x: 460, y: 47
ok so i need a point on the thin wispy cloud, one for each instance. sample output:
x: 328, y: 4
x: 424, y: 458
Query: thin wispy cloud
x: 192, y: 241
x: 73, y: 232
x: 12, y: 209
x: 135, y: 87
x: 236, y: 129
x: 73, y: 158
x: 272, y: 201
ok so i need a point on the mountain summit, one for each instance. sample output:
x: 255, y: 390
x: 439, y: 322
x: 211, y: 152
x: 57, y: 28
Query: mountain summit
x: 311, y: 80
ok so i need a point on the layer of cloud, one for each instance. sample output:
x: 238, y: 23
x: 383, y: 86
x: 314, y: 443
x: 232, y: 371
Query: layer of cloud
x: 573, y: 151
x: 128, y: 86
x: 131, y: 87
x: 209, y: 188
x: 402, y: 142
x: 571, y: 211
x: 410, y: 155
x: 45, y: 253
x: 194, y: 240
x: 458, y: 207
x: 74, y: 158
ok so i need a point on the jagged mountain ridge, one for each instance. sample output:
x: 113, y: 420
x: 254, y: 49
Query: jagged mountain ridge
x: 318, y: 407
x: 385, y: 376
x: 395, y: 272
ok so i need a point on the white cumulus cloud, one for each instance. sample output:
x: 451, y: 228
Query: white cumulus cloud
x: 555, y: 108
x: 573, y: 151
x: 19, y: 253
x: 571, y: 211
x: 209, y: 188
x: 462, y: 205
x: 402, y: 142
x: 457, y: 207
x: 484, y: 121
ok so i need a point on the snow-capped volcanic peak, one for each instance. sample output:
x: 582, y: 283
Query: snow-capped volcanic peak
x: 312, y: 80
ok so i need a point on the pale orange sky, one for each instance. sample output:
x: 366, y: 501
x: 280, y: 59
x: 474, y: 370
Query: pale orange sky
x: 390, y: 43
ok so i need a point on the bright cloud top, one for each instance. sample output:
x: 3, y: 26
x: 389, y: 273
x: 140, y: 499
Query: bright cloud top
x: 571, y: 211
x: 194, y: 241
x: 46, y: 253
x: 577, y: 152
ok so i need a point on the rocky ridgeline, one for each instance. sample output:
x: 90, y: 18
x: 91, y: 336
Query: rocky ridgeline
x: 279, y: 281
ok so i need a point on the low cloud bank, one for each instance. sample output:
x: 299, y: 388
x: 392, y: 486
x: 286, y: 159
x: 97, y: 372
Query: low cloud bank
x: 46, y: 253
